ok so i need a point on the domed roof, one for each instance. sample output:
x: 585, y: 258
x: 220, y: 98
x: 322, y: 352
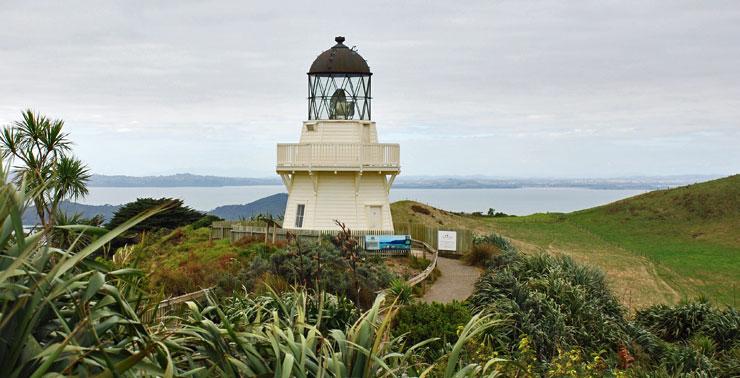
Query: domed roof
x: 339, y: 59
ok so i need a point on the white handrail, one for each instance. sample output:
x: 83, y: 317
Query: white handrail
x: 338, y: 155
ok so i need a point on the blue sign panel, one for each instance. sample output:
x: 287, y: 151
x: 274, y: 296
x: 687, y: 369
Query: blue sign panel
x: 388, y: 242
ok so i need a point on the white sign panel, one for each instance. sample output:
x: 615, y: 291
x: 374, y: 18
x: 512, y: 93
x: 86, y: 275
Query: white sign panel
x: 447, y: 240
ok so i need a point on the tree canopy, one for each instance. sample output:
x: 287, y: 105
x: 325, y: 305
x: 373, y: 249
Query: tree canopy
x: 174, y: 215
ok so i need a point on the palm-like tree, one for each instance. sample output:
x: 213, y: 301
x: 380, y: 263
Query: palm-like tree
x: 74, y: 232
x: 41, y: 152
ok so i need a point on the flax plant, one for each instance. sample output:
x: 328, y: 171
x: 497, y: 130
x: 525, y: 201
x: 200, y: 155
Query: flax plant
x: 58, y: 313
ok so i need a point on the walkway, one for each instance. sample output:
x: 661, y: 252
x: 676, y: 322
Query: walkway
x: 456, y: 282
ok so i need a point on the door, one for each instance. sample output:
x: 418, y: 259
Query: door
x: 375, y: 217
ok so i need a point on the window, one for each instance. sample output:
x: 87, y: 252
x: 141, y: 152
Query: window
x: 299, y: 215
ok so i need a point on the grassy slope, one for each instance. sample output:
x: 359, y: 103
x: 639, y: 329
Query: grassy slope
x: 186, y: 260
x: 657, y: 247
x: 692, y: 234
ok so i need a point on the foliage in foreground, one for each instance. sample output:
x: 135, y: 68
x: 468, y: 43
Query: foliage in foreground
x: 63, y: 313
x: 565, y: 317
x: 59, y: 312
x: 289, y: 342
x: 555, y: 303
x: 421, y: 321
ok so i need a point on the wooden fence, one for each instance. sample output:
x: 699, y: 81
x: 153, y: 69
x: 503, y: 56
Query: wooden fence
x: 429, y: 235
x: 173, y: 305
x: 237, y: 230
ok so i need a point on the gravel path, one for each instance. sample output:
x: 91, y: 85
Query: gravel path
x: 455, y: 283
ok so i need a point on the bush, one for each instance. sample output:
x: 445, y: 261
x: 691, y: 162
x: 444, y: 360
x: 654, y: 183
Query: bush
x: 246, y: 241
x: 420, y: 209
x: 555, y: 302
x: 400, y: 291
x: 481, y: 255
x: 206, y: 221
x: 694, y: 337
x: 558, y: 305
x: 507, y: 253
x: 689, y: 318
x: 330, y: 311
x: 421, y: 321
x: 418, y: 263
x: 683, y: 359
x: 674, y: 323
x: 302, y: 269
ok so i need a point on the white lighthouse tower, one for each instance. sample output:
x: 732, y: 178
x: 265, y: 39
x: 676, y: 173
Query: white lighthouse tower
x: 338, y: 170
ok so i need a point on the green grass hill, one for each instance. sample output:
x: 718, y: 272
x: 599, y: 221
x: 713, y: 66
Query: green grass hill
x: 657, y: 247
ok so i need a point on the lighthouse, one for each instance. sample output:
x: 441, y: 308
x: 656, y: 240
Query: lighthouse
x: 338, y: 170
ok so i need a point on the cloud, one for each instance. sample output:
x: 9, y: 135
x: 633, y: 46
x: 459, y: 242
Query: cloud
x: 507, y: 88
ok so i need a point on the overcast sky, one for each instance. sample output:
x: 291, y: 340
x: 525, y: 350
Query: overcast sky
x: 498, y: 88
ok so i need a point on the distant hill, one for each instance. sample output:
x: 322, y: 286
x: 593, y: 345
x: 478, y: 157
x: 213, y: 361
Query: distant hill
x: 660, y: 246
x: 178, y: 180
x: 416, y: 182
x: 274, y: 204
x: 88, y: 211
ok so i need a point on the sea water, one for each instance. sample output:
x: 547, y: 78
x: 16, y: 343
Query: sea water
x: 518, y: 201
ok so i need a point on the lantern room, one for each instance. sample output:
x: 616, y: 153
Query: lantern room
x: 339, y: 85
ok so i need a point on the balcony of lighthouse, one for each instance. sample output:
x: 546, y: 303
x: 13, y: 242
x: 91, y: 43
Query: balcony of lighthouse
x: 354, y: 157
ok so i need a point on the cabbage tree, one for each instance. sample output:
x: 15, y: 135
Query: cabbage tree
x: 41, y: 154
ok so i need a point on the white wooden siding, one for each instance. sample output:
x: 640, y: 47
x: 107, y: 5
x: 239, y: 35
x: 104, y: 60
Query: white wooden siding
x: 325, y: 166
x: 339, y: 132
x: 336, y: 199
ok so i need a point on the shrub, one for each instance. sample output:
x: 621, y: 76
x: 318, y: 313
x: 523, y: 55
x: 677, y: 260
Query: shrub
x: 481, y: 254
x: 507, y: 253
x: 192, y: 274
x: 64, y: 314
x: 330, y: 311
x: 683, y: 359
x: 418, y: 263
x: 689, y: 318
x: 246, y: 241
x: 303, y: 269
x: 267, y: 282
x: 723, y: 326
x: 704, y: 340
x: 555, y: 302
x: 206, y: 221
x: 400, y: 291
x: 495, y: 239
x: 420, y: 210
x: 421, y: 321
x: 558, y: 305
x: 677, y: 323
